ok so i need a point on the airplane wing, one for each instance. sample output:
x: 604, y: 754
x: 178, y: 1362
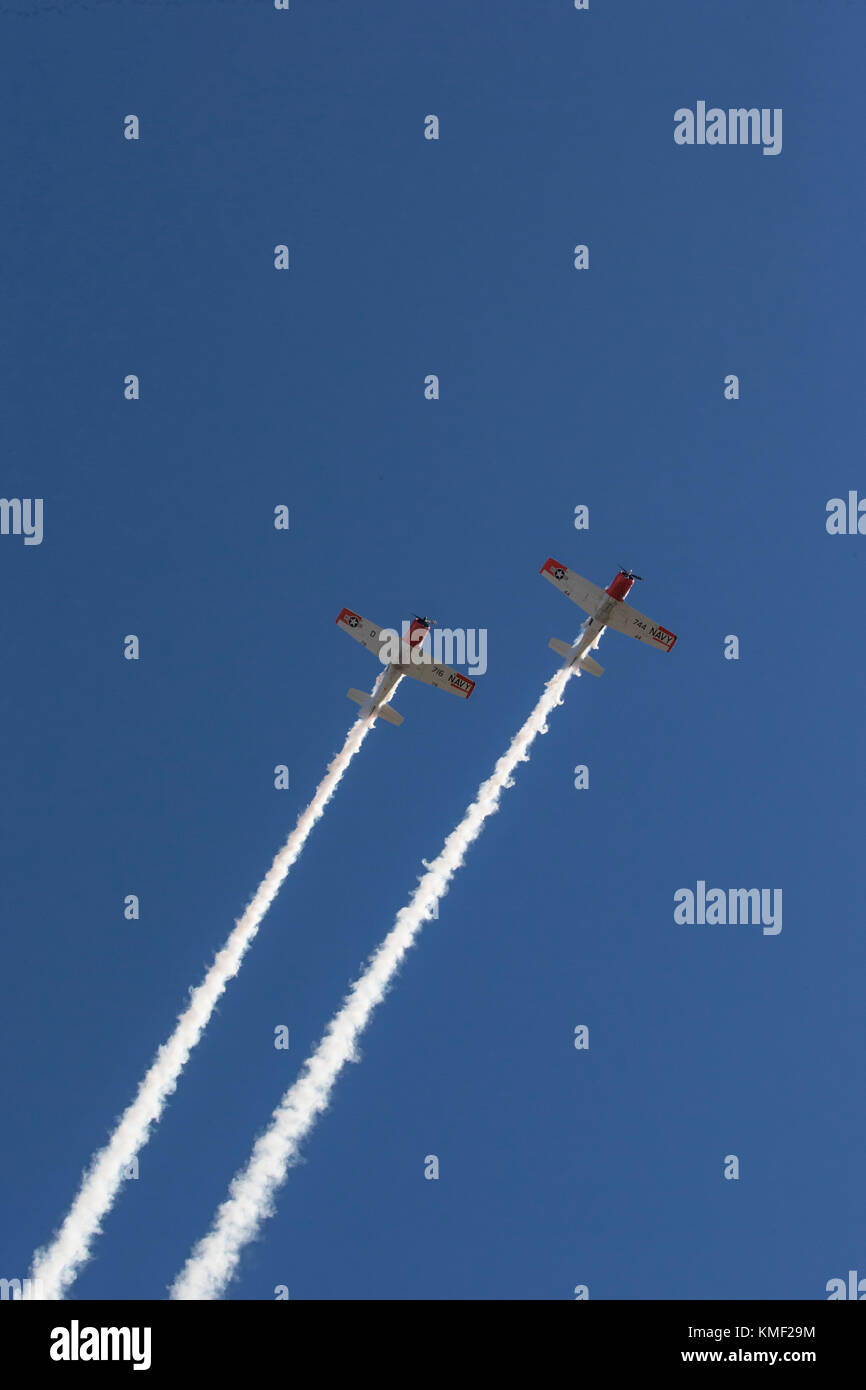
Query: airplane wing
x: 626, y: 619
x: 433, y: 673
x: 368, y: 634
x: 581, y: 591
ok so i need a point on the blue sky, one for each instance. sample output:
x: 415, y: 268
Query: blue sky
x: 558, y: 387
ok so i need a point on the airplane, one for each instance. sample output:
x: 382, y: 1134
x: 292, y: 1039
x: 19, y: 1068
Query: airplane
x: 606, y: 609
x: 412, y: 663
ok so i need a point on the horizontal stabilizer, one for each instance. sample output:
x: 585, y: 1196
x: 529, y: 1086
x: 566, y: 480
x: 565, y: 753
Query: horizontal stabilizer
x: 388, y: 714
x: 383, y: 712
x: 587, y: 664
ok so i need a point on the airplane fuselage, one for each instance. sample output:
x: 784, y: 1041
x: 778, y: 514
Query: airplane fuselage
x: 614, y: 594
x: 390, y: 681
x: 414, y: 640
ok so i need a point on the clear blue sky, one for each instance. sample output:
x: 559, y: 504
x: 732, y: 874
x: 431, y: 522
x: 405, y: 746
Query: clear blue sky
x: 558, y: 1167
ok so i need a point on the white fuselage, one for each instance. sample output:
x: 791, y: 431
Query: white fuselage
x: 594, y: 628
x: 390, y: 681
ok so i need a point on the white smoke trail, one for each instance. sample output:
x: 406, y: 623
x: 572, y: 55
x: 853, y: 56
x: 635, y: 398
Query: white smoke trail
x: 57, y: 1266
x: 214, y: 1259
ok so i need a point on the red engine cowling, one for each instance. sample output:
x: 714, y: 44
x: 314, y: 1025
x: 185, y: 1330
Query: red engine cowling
x: 417, y: 632
x: 620, y: 586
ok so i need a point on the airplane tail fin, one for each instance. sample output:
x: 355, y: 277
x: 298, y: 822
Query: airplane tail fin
x: 383, y: 712
x: 586, y: 663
